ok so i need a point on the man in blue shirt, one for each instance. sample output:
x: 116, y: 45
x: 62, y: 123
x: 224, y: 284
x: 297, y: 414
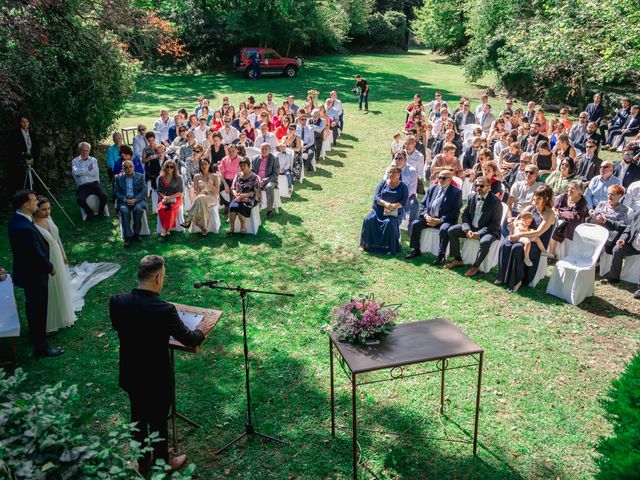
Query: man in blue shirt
x: 130, y: 190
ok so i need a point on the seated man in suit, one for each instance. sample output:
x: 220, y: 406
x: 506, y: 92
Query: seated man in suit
x: 588, y: 163
x: 144, y: 324
x: 616, y: 123
x: 130, y: 190
x: 626, y: 171
x: 591, y: 134
x: 267, y: 167
x: 464, y: 116
x: 627, y: 246
x: 486, y: 119
x: 439, y: 209
x: 480, y: 221
x: 531, y: 141
x: 630, y: 128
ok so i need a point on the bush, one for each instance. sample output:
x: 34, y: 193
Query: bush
x: 41, y: 438
x: 386, y: 29
x: 620, y: 453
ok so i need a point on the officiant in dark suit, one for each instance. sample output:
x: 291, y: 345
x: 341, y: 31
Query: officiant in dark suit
x: 144, y: 324
x: 31, y: 269
x: 22, y: 148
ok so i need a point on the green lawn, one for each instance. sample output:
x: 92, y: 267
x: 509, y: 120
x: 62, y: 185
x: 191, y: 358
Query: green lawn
x: 547, y: 363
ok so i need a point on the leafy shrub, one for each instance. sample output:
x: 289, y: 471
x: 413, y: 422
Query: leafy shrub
x: 41, y: 438
x: 386, y: 29
x: 620, y: 453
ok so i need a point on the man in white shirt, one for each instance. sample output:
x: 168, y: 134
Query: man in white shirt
x: 87, y: 177
x: 484, y: 100
x: 201, y: 131
x: 486, y: 118
x: 162, y: 126
x: 272, y: 106
x: 414, y: 157
x: 632, y: 196
x: 229, y: 134
x: 337, y: 105
x: 439, y: 122
x: 293, y: 108
x: 266, y: 136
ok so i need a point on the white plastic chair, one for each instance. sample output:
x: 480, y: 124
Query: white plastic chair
x: 144, y: 225
x: 214, y: 221
x: 276, y: 200
x: 94, y: 203
x: 283, y: 186
x: 470, y: 248
x: 467, y: 188
x: 573, y: 278
x: 630, y: 267
x: 254, y: 221
x: 563, y: 248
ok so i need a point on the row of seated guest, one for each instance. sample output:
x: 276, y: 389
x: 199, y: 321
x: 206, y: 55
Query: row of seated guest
x: 527, y: 152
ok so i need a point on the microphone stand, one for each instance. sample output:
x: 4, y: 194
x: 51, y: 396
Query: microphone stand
x: 249, y: 429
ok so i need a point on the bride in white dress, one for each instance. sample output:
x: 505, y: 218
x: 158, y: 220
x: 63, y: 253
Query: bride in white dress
x: 60, y: 312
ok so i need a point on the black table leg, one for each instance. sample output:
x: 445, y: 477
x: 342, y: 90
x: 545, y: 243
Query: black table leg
x: 475, y: 427
x: 333, y: 417
x: 443, y: 364
x: 354, y: 426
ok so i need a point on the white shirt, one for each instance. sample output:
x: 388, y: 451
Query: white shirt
x: 285, y: 159
x: 27, y: 140
x: 416, y: 160
x: 139, y: 144
x: 478, y: 212
x: 337, y: 104
x: 270, y: 138
x: 229, y: 136
x: 81, y: 173
x: 480, y: 110
x: 273, y: 107
x: 201, y: 133
x: 163, y: 128
x: 623, y: 169
x: 632, y: 196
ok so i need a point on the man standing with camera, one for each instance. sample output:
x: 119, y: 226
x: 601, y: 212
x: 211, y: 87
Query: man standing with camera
x: 23, y: 151
x: 362, y: 87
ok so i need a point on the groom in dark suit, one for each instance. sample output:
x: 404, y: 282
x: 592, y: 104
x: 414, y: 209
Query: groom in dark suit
x: 31, y: 269
x: 144, y: 324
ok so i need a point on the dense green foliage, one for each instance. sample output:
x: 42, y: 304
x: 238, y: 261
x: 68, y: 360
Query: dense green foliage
x: 70, y: 66
x: 556, y: 50
x: 42, y: 439
x: 546, y: 362
x: 621, y: 452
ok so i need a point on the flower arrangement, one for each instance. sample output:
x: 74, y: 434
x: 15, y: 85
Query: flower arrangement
x: 313, y: 93
x: 360, y: 321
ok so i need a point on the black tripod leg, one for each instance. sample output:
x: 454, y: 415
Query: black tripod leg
x: 239, y: 437
x: 269, y: 437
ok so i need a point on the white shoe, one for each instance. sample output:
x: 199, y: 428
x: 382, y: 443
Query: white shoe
x: 528, y: 262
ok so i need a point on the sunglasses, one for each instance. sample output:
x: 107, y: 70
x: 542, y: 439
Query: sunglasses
x: 442, y: 177
x: 482, y: 185
x: 529, y: 172
x: 591, y: 146
x: 170, y: 167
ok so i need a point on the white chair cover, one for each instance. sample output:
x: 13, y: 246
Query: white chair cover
x: 254, y: 221
x: 326, y: 146
x: 630, y: 267
x: 214, y: 221
x: 9, y: 320
x: 94, y: 203
x: 573, y: 278
x: 283, y: 186
x: 430, y: 241
x: 563, y: 248
x: 467, y: 188
x: 468, y: 130
x: 541, y: 272
x: 186, y: 198
x: 470, y: 248
x: 144, y: 227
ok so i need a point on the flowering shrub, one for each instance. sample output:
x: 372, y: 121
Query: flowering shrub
x: 359, y: 320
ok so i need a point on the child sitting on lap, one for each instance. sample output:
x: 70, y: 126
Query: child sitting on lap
x: 522, y: 224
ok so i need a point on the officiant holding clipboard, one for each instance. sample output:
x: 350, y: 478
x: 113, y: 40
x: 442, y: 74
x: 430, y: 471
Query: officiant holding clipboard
x: 145, y: 324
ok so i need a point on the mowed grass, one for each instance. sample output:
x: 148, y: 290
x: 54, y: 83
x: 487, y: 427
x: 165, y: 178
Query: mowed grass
x: 547, y: 364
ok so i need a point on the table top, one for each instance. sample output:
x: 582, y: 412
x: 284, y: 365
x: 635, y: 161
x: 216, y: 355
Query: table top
x: 207, y: 313
x: 408, y: 343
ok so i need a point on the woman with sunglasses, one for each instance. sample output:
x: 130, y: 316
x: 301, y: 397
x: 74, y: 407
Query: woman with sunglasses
x: 140, y: 141
x: 170, y: 188
x: 294, y: 142
x: 559, y: 180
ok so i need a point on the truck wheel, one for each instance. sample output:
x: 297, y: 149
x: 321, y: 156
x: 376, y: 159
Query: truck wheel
x: 291, y: 71
x: 249, y: 73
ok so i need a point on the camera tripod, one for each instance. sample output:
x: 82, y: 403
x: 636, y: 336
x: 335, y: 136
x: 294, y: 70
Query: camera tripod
x: 28, y: 180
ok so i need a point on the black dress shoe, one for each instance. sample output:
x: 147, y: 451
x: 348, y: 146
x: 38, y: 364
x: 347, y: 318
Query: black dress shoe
x: 439, y: 260
x: 137, y: 238
x: 412, y: 254
x: 637, y: 294
x: 270, y: 214
x: 127, y: 243
x: 605, y: 280
x: 49, y: 352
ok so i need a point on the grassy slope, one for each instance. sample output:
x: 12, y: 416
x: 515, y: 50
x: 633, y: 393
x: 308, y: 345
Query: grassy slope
x: 546, y: 362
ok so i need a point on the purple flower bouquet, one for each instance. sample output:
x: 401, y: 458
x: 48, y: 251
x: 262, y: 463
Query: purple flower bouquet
x: 360, y: 321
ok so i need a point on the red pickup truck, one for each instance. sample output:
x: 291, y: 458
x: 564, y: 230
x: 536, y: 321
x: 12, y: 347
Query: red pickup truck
x: 271, y: 62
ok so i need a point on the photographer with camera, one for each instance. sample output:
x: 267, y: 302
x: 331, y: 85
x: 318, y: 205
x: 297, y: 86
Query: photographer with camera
x: 362, y: 87
x: 23, y: 151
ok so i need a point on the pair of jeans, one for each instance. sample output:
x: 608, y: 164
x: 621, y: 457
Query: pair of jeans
x: 363, y: 98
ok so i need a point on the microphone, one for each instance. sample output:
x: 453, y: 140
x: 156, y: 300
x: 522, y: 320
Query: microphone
x: 206, y: 283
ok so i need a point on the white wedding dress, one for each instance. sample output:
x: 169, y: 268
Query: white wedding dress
x: 60, y: 312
